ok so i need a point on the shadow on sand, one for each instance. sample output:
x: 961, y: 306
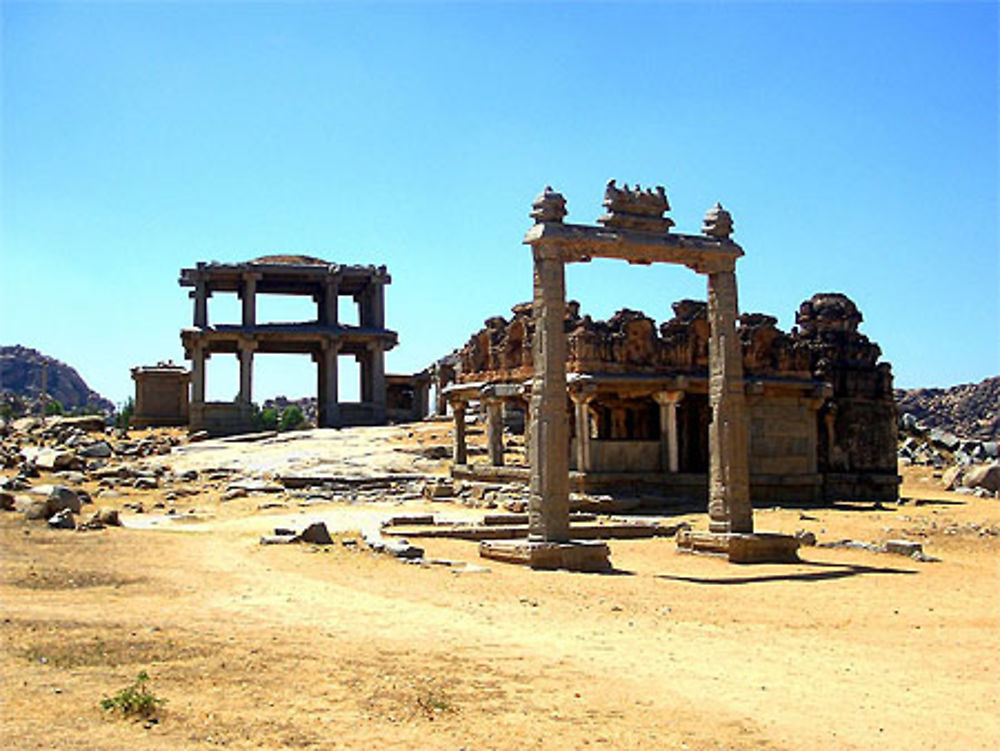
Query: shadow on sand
x: 834, y: 571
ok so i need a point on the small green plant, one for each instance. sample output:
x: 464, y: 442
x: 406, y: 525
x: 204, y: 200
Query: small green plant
x: 135, y: 700
x: 291, y: 418
x: 53, y: 407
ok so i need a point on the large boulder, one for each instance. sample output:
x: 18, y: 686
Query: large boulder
x: 58, y: 498
x: 52, y: 459
x: 97, y: 450
x: 986, y: 476
x: 87, y: 423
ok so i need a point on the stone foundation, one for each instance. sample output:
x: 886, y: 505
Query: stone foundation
x: 759, y: 547
x: 574, y: 555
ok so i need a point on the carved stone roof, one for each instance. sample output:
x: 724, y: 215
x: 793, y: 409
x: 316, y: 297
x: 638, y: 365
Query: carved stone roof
x: 292, y: 260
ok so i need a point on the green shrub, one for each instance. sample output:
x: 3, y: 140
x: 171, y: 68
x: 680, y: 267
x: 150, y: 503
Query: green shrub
x: 291, y: 418
x: 264, y: 419
x: 123, y: 417
x: 135, y: 700
x: 53, y: 407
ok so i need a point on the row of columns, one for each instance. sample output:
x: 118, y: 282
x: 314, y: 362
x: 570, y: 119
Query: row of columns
x: 373, y: 385
x: 370, y: 301
x: 669, y: 433
x: 494, y: 429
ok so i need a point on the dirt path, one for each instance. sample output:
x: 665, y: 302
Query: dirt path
x: 299, y: 647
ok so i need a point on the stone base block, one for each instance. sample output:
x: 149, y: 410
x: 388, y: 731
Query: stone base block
x: 574, y: 555
x: 758, y: 547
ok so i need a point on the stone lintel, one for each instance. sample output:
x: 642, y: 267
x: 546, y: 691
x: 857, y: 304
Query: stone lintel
x: 289, y: 339
x: 502, y: 391
x: 580, y: 243
x: 756, y: 547
x: 573, y: 555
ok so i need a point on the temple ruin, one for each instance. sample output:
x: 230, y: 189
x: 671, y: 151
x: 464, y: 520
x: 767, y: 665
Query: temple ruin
x: 324, y: 339
x: 161, y: 395
x: 712, y: 404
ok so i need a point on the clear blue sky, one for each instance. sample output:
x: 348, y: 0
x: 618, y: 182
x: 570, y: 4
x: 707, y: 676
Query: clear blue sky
x: 855, y: 144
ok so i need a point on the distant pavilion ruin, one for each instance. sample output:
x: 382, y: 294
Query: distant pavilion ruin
x: 324, y: 339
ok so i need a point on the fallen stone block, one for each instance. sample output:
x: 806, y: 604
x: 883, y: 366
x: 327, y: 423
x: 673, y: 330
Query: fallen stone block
x: 903, y: 547
x: 255, y: 486
x: 278, y: 539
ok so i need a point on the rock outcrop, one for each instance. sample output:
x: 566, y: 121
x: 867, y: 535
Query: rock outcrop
x: 21, y: 376
x: 971, y: 410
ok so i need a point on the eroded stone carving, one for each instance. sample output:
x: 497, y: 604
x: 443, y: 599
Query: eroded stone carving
x: 635, y: 208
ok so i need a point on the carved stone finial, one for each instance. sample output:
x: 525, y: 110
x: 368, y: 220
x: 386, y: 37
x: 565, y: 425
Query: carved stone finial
x: 549, y: 206
x: 636, y: 209
x: 717, y: 223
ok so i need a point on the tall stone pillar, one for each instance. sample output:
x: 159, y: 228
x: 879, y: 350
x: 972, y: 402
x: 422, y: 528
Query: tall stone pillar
x: 494, y: 431
x: 328, y: 302
x: 459, y: 454
x: 366, y: 308
x: 200, y: 295
x: 669, y: 444
x: 328, y: 396
x: 581, y: 404
x: 245, y: 355
x: 248, y: 294
x: 378, y: 305
x: 548, y: 449
x: 198, y: 357
x: 729, y: 506
x: 376, y: 377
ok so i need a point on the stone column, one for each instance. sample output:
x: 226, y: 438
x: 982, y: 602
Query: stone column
x: 328, y: 397
x: 200, y: 295
x: 198, y: 357
x: 245, y: 355
x: 668, y: 429
x: 364, y: 298
x: 376, y: 377
x: 248, y: 294
x: 378, y: 305
x: 581, y: 403
x: 494, y: 431
x: 459, y: 454
x: 729, y: 506
x: 548, y: 449
x: 328, y: 302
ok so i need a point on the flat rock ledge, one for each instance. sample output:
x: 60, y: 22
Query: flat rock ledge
x: 572, y: 555
x: 758, y: 547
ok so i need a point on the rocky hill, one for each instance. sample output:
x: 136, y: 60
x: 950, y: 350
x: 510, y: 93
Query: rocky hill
x: 971, y: 410
x: 21, y: 371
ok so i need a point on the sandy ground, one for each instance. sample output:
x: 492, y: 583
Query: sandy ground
x: 302, y: 647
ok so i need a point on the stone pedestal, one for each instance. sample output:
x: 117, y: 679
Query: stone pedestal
x: 760, y: 547
x: 573, y: 555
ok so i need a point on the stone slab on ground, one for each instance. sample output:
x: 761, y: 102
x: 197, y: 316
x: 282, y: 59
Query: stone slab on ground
x: 619, y: 531
x: 573, y: 555
x: 757, y: 547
